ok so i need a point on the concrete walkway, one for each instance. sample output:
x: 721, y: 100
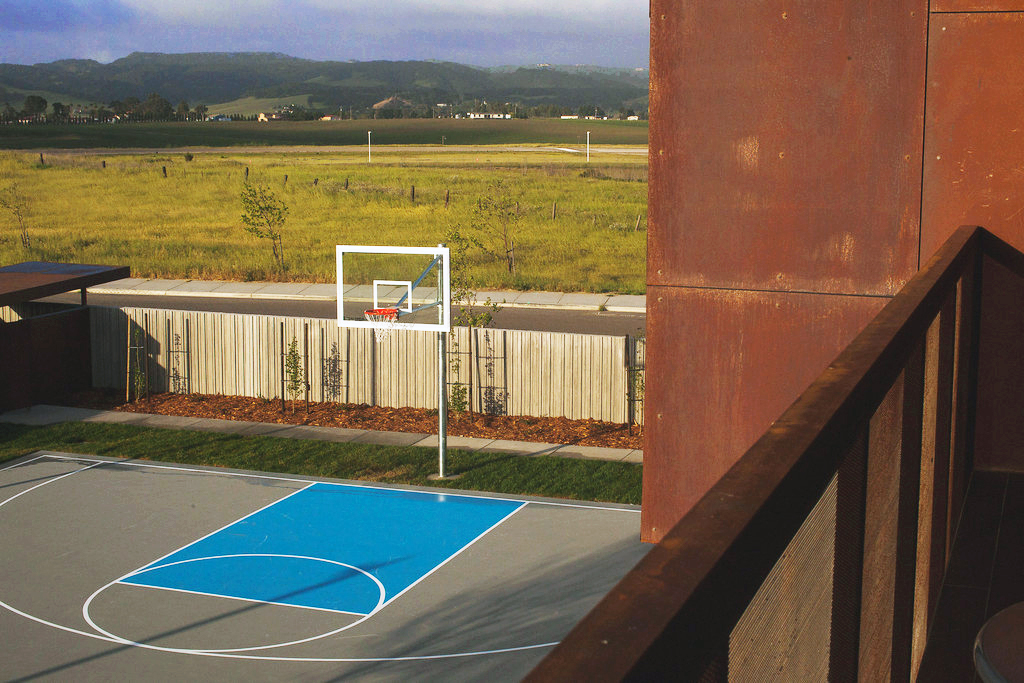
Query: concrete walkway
x: 46, y: 415
x: 328, y: 292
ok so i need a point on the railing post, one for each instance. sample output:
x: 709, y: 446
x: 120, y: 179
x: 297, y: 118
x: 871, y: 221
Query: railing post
x: 937, y: 427
x: 965, y: 387
x: 905, y: 577
x: 894, y: 460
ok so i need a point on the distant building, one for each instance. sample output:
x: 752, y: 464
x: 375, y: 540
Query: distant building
x: 487, y: 115
x: 569, y: 116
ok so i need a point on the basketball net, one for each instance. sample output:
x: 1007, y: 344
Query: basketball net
x: 388, y: 316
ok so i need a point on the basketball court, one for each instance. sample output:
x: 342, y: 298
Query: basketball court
x: 138, y: 570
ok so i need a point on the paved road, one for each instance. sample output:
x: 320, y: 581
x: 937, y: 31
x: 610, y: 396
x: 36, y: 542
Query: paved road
x: 628, y: 150
x: 541, y: 319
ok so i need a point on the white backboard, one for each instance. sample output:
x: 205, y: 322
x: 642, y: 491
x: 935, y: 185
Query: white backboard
x: 415, y: 280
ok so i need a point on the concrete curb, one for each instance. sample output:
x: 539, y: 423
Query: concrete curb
x: 327, y: 292
x: 40, y: 415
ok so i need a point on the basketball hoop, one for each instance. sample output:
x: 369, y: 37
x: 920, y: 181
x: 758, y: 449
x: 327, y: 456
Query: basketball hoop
x: 382, y: 315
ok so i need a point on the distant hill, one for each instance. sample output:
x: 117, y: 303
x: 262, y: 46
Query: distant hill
x: 213, y: 78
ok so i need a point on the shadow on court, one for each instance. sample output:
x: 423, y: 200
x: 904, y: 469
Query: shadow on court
x: 542, y: 606
x: 488, y: 609
x: 153, y: 639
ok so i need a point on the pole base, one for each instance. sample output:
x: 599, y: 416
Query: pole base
x: 447, y: 477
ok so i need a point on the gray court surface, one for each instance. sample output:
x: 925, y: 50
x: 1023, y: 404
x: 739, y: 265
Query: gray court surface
x: 72, y: 525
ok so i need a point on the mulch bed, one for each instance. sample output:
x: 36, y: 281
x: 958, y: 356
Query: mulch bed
x: 515, y: 428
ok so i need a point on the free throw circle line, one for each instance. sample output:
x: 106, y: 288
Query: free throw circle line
x: 146, y: 570
x: 233, y: 655
x: 270, y: 658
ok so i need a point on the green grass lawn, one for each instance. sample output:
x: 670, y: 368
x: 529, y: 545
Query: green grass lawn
x: 575, y: 227
x: 495, y: 472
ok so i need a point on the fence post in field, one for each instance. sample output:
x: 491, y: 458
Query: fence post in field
x: 247, y: 173
x: 412, y: 193
x: 103, y: 163
x: 447, y: 196
x: 636, y: 228
x: 346, y: 183
x: 164, y: 169
x: 554, y: 210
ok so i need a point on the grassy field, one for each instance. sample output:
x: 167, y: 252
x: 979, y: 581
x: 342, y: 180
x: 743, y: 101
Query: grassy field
x: 496, y: 472
x: 385, y: 132
x: 115, y: 208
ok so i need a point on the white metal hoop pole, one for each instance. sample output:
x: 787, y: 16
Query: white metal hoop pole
x: 369, y: 152
x: 442, y: 404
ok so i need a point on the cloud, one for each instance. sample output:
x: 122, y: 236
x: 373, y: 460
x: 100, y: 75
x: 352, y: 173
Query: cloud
x: 62, y: 15
x: 255, y: 12
x: 484, y: 33
x: 601, y: 10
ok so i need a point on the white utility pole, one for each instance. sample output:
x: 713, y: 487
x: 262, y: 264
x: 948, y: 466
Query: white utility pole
x: 369, y: 151
x: 588, y: 146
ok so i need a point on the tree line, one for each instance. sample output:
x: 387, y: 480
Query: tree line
x: 36, y: 109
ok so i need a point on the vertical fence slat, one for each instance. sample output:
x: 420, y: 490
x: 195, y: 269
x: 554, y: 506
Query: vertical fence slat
x: 513, y: 372
x: 847, y: 574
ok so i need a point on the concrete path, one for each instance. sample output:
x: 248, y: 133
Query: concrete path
x: 328, y: 292
x: 46, y: 414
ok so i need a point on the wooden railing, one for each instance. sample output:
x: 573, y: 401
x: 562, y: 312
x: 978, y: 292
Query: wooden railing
x: 822, y: 551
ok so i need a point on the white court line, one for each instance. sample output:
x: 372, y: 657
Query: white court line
x: 444, y: 492
x: 150, y: 565
x: 453, y: 556
x: 147, y: 586
x: 380, y: 600
x: 232, y: 655
x: 19, y: 464
x: 225, y: 655
x: 50, y: 481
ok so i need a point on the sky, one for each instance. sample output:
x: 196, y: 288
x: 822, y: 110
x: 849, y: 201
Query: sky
x: 478, y: 32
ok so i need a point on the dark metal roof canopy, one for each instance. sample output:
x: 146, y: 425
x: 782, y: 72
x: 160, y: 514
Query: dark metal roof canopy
x: 32, y: 280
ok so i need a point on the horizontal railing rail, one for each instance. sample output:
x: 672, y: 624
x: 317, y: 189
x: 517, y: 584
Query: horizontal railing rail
x: 873, y: 458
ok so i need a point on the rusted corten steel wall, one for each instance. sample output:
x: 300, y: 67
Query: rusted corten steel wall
x: 974, y: 138
x: 785, y: 201
x: 974, y: 173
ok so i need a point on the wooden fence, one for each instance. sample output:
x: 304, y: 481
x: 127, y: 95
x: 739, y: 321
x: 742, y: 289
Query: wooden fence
x: 513, y: 372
